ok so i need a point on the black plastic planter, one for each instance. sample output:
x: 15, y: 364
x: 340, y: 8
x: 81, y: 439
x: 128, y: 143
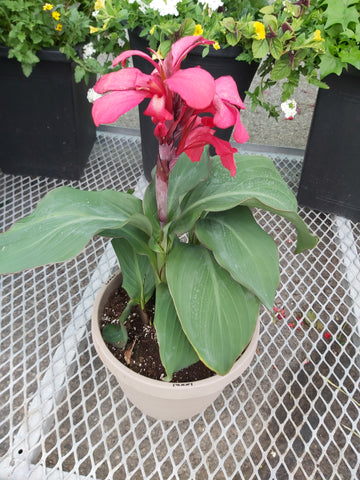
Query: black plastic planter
x: 45, y: 120
x: 217, y: 62
x: 330, y: 178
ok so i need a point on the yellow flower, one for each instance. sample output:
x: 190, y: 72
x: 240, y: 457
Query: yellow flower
x: 259, y: 30
x: 99, y: 4
x: 94, y: 29
x: 48, y: 6
x: 216, y: 45
x: 58, y: 27
x: 198, y: 30
x: 56, y: 15
x: 317, y: 36
x: 152, y: 30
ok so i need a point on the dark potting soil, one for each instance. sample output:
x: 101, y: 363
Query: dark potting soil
x: 141, y: 353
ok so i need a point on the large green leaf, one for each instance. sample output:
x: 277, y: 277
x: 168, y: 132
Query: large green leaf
x: 217, y: 314
x: 175, y: 350
x: 185, y: 176
x: 62, y: 224
x: 257, y: 184
x: 138, y: 273
x: 243, y: 249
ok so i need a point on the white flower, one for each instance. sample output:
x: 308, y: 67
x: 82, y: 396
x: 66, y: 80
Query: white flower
x: 165, y: 7
x: 88, y: 50
x: 289, y: 108
x: 212, y: 4
x: 92, y: 95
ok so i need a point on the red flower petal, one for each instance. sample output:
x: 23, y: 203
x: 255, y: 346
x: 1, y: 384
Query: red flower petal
x: 129, y: 53
x: 240, y: 133
x: 182, y: 47
x: 225, y: 115
x: 156, y: 109
x: 108, y: 108
x: 120, y: 80
x: 194, y: 85
x: 226, y: 89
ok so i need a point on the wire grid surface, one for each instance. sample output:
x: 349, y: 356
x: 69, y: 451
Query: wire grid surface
x: 63, y: 416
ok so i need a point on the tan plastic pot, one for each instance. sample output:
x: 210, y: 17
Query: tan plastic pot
x: 162, y: 400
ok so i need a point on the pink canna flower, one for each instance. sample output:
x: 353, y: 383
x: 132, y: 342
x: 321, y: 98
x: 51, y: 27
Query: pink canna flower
x: 227, y: 103
x: 177, y: 98
x: 193, y: 141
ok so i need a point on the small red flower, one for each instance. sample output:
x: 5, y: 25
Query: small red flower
x: 327, y: 335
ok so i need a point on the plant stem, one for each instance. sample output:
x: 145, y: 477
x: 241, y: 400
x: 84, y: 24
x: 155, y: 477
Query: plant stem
x: 126, y: 312
x: 143, y: 315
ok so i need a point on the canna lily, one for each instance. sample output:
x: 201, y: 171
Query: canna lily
x: 177, y: 98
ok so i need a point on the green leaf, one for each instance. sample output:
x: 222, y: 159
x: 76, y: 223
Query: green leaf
x: 312, y: 80
x: 352, y: 56
x: 165, y: 47
x: 115, y: 335
x: 276, y: 48
x: 138, y: 220
x: 271, y: 20
x: 188, y: 27
x: 184, y: 177
x: 267, y: 10
x: 232, y: 39
x: 257, y: 183
x: 150, y: 209
x: 287, y: 91
x: 138, y: 239
x: 61, y: 225
x: 138, y: 273
x: 176, y: 351
x: 341, y: 12
x: 281, y: 69
x: 330, y: 64
x: 243, y: 248
x: 260, y: 48
x: 311, y: 316
x: 79, y: 73
x: 229, y: 24
x: 217, y: 314
x: 27, y: 69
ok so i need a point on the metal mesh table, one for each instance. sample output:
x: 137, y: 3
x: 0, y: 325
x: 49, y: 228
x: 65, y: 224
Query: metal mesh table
x: 63, y: 416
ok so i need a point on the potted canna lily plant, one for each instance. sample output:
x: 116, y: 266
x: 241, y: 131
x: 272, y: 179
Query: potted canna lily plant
x: 199, y: 296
